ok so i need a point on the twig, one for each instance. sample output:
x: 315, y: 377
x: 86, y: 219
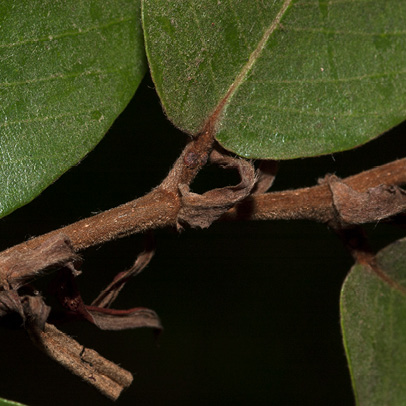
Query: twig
x: 106, y: 376
x: 160, y: 207
x: 157, y: 209
x: 314, y: 203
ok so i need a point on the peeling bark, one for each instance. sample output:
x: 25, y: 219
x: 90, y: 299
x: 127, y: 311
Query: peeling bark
x: 374, y: 204
x: 200, y: 211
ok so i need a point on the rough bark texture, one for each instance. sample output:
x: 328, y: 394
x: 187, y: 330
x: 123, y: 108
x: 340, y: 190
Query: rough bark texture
x: 107, y: 377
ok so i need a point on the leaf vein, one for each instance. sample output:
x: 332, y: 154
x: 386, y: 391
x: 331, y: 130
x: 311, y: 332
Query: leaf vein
x: 340, y: 32
x: 333, y: 114
x: 47, y: 118
x: 237, y: 19
x: 202, y: 36
x: 331, y: 2
x: 57, y: 76
x: 333, y: 80
x: 52, y: 37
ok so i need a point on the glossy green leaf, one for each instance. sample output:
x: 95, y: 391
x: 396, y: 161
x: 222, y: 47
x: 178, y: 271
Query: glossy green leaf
x: 5, y: 402
x: 373, y: 318
x: 67, y: 69
x: 282, y: 78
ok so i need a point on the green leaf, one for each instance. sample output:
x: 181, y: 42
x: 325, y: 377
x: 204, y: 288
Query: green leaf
x: 281, y: 78
x: 67, y: 70
x: 373, y: 318
x: 5, y: 402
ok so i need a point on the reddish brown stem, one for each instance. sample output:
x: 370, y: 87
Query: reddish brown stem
x: 313, y: 203
x: 160, y: 207
x: 157, y: 209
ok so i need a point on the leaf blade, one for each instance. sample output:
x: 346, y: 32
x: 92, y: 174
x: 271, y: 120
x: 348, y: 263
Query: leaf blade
x: 318, y: 85
x: 373, y: 308
x: 5, y: 402
x: 67, y: 71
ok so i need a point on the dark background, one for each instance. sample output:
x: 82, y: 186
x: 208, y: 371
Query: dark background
x: 250, y: 310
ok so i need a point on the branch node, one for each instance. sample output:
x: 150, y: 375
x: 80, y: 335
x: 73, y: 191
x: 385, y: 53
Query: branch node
x: 375, y: 204
x: 200, y: 211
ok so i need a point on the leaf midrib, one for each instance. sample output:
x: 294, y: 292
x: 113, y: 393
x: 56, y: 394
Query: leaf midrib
x: 213, y: 119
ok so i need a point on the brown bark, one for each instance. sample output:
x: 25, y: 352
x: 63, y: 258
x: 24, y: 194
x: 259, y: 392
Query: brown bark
x: 160, y: 208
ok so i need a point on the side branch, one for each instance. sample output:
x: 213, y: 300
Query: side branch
x: 314, y: 203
